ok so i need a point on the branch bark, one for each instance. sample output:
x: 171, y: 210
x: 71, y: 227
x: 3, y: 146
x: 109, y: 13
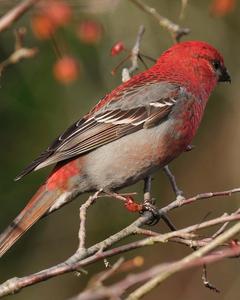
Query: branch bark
x: 99, y: 251
x: 15, y: 13
x: 20, y: 52
x: 175, y: 30
x: 188, y: 261
x: 164, y: 270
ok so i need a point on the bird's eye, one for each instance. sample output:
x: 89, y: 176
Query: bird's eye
x: 216, y: 64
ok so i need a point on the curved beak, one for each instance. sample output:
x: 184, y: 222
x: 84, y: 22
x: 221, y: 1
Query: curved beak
x: 224, y: 76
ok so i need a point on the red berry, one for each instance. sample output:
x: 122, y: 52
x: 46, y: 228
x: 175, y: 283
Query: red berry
x: 222, y: 7
x: 58, y: 12
x: 66, y: 70
x: 89, y: 32
x: 42, y: 26
x: 49, y: 16
x: 117, y: 48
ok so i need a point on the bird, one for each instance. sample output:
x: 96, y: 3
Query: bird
x: 132, y: 132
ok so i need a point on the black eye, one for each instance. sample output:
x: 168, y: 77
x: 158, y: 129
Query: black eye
x: 216, y: 64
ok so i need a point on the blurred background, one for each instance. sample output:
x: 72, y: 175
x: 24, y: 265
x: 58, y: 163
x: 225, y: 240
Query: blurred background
x: 43, y: 95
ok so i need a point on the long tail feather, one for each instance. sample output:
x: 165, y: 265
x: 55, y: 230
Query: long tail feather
x: 34, y: 210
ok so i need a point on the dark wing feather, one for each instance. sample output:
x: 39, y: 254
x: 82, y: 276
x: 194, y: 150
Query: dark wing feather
x: 102, y: 128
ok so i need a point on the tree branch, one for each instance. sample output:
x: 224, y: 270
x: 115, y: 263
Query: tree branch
x: 190, y: 261
x: 98, y: 251
x: 83, y: 213
x: 20, y: 52
x: 175, y: 30
x: 164, y: 270
x: 15, y: 13
x: 126, y: 72
x: 172, y: 180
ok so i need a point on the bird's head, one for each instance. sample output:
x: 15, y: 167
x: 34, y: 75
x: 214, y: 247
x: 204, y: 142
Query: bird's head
x: 194, y: 64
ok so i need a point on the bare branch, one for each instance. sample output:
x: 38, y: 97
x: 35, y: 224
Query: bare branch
x: 20, y: 51
x: 206, y: 281
x: 190, y: 261
x: 83, y: 213
x: 183, y: 8
x: 172, y: 180
x: 224, y: 226
x: 98, y: 280
x: 126, y: 72
x: 178, y: 203
x: 163, y: 270
x: 98, y: 251
x: 175, y: 30
x: 15, y: 13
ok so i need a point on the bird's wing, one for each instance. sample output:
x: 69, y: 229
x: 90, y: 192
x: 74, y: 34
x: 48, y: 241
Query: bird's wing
x: 142, y: 107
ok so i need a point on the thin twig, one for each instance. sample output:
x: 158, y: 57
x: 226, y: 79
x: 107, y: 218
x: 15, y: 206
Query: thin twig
x: 188, y: 261
x: 181, y: 202
x: 224, y: 226
x: 183, y: 8
x: 172, y: 180
x: 206, y: 282
x: 117, y: 289
x: 205, y: 279
x: 175, y: 30
x: 100, y: 278
x: 15, y: 13
x: 83, y: 213
x: 126, y: 72
x: 20, y: 52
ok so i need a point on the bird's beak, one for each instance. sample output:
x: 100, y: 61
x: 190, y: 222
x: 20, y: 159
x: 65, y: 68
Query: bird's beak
x: 224, y: 76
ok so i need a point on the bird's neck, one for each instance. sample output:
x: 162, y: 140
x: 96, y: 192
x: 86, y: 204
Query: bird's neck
x: 198, y: 80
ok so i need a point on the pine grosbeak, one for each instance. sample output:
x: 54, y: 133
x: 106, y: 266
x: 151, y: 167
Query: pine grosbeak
x: 132, y: 132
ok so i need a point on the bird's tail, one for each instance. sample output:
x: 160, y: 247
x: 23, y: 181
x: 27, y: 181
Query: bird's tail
x: 34, y: 210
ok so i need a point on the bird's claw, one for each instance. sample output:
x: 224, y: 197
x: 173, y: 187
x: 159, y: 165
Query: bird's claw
x: 147, y: 206
x: 155, y: 215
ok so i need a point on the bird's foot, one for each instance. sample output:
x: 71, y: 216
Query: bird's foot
x: 148, y: 206
x: 132, y: 206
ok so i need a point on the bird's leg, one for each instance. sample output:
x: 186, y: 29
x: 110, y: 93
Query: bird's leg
x: 149, y: 205
x: 147, y: 190
x: 172, y: 180
x: 168, y: 222
x: 148, y: 202
x: 171, y: 177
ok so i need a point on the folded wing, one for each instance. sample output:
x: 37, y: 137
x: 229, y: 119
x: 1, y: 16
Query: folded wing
x: 143, y: 107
